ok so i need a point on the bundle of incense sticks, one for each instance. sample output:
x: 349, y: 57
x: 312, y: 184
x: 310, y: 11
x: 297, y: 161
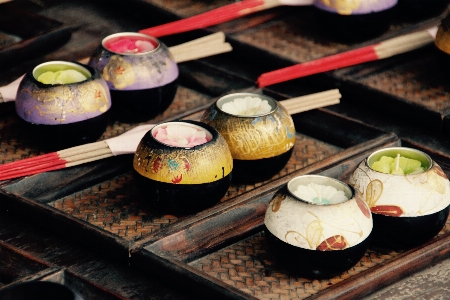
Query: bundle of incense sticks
x: 128, y: 142
x: 219, y: 15
x: 206, y: 46
x: 385, y: 49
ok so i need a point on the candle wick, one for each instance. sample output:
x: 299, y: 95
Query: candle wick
x: 319, y: 195
x: 397, y: 162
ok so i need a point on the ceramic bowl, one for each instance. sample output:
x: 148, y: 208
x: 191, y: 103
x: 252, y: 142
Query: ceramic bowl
x: 354, y: 20
x: 408, y: 210
x: 260, y: 143
x: 143, y: 83
x: 182, y: 179
x: 317, y: 226
x: 63, y: 115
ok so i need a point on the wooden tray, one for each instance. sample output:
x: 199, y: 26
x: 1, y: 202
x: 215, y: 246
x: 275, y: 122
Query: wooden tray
x: 98, y: 201
x: 224, y: 256
x: 19, y: 41
x: 18, y: 266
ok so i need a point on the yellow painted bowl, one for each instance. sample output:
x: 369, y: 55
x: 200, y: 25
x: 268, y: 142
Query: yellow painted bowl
x: 183, y: 179
x: 261, y: 143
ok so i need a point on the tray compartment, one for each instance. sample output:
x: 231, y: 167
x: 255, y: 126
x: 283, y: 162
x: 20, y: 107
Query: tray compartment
x: 226, y: 256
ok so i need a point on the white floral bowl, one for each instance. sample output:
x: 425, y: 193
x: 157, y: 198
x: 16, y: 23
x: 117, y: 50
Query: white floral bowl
x: 317, y: 226
x: 408, y: 210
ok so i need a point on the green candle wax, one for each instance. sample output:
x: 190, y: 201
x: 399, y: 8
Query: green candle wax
x: 399, y: 165
x: 61, y: 77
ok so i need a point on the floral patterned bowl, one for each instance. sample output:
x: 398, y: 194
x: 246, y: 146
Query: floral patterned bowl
x: 408, y: 210
x: 182, y: 167
x: 143, y: 80
x: 259, y: 131
x: 317, y: 226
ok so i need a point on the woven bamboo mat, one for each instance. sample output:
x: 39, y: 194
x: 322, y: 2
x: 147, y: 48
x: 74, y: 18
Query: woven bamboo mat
x: 114, y: 205
x: 247, y: 265
x: 422, y: 82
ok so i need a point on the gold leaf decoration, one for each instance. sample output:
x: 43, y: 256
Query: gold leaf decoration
x: 373, y: 192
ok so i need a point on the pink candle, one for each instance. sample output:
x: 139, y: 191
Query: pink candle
x: 130, y: 44
x: 181, y: 135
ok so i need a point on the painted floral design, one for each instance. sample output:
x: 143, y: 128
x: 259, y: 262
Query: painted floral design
x: 336, y: 242
x: 402, y: 195
x: 118, y: 72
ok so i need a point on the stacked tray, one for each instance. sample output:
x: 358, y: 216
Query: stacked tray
x: 222, y: 249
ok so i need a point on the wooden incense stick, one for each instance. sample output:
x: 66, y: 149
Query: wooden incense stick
x: 385, y: 49
x: 94, y: 151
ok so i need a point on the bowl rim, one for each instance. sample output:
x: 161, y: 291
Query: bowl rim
x: 135, y: 34
x: 209, y: 133
x: 348, y: 190
x: 230, y: 97
x: 85, y: 69
x: 378, y: 153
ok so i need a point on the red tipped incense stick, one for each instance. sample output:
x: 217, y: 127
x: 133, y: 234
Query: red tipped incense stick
x: 219, y: 15
x: 374, y: 52
x: 128, y: 142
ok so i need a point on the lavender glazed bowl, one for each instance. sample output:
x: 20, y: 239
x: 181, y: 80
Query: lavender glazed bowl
x: 355, y: 19
x: 143, y: 83
x: 59, y: 116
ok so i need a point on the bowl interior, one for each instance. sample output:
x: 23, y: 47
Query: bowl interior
x: 244, y: 101
x: 321, y: 187
x: 403, y: 151
x: 54, y: 66
x: 179, y: 134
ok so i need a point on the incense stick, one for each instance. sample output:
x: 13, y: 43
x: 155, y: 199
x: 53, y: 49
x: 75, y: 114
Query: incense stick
x: 206, y: 46
x: 220, y: 15
x: 385, y: 49
x: 216, y: 16
x: 127, y: 143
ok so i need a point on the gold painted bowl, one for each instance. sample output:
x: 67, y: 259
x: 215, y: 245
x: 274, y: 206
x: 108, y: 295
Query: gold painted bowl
x: 176, y: 177
x: 442, y: 40
x: 409, y: 209
x: 317, y: 226
x: 260, y: 143
x: 60, y: 115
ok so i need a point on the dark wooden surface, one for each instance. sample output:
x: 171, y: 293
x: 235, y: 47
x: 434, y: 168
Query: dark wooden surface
x: 33, y: 249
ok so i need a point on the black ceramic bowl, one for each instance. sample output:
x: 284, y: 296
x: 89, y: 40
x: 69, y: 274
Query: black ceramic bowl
x: 182, y: 179
x: 261, y: 143
x: 408, y: 210
x: 142, y: 83
x: 320, y: 232
x: 62, y: 115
